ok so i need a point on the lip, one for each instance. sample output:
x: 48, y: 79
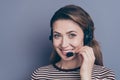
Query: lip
x: 66, y: 51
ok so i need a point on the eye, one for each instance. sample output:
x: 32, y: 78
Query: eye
x: 72, y: 35
x: 56, y: 36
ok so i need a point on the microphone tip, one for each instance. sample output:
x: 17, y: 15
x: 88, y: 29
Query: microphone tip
x: 69, y: 54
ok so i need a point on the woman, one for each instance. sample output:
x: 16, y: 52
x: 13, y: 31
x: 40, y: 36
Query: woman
x: 76, y: 54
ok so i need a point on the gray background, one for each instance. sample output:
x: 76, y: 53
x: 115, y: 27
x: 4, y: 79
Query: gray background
x: 24, y: 31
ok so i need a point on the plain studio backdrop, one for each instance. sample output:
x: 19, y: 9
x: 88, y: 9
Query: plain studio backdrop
x: 25, y: 28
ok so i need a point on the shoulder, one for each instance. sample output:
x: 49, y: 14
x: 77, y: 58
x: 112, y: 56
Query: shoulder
x: 41, y: 72
x: 103, y: 72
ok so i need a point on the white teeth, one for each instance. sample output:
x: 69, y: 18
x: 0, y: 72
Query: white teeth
x: 67, y: 51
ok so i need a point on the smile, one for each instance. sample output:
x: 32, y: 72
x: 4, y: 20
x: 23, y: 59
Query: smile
x: 66, y: 51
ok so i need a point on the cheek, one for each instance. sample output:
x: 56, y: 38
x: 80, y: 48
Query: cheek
x: 56, y: 43
x: 77, y: 43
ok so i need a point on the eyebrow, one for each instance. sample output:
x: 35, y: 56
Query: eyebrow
x: 71, y: 32
x: 67, y: 32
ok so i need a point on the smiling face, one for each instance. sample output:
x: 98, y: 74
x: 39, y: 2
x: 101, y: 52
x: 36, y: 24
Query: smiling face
x: 67, y: 37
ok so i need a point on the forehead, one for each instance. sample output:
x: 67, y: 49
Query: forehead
x: 66, y: 25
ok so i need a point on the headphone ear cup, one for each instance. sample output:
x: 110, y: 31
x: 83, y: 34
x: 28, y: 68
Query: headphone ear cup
x: 50, y: 37
x: 87, y: 36
x: 87, y: 39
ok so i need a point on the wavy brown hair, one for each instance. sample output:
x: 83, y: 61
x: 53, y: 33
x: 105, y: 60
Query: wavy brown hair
x: 82, y: 18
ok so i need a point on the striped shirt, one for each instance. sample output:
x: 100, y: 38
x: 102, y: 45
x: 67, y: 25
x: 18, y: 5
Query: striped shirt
x: 52, y: 72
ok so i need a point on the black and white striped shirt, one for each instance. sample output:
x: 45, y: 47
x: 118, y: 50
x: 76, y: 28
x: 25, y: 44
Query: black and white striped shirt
x: 52, y: 72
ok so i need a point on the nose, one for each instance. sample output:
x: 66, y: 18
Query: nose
x: 64, y: 42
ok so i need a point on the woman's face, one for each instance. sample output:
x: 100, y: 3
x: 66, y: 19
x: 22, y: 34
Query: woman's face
x: 67, y: 37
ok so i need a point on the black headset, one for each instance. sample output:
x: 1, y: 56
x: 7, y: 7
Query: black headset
x: 88, y: 36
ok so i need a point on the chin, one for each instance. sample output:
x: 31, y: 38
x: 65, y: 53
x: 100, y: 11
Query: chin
x: 65, y: 58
